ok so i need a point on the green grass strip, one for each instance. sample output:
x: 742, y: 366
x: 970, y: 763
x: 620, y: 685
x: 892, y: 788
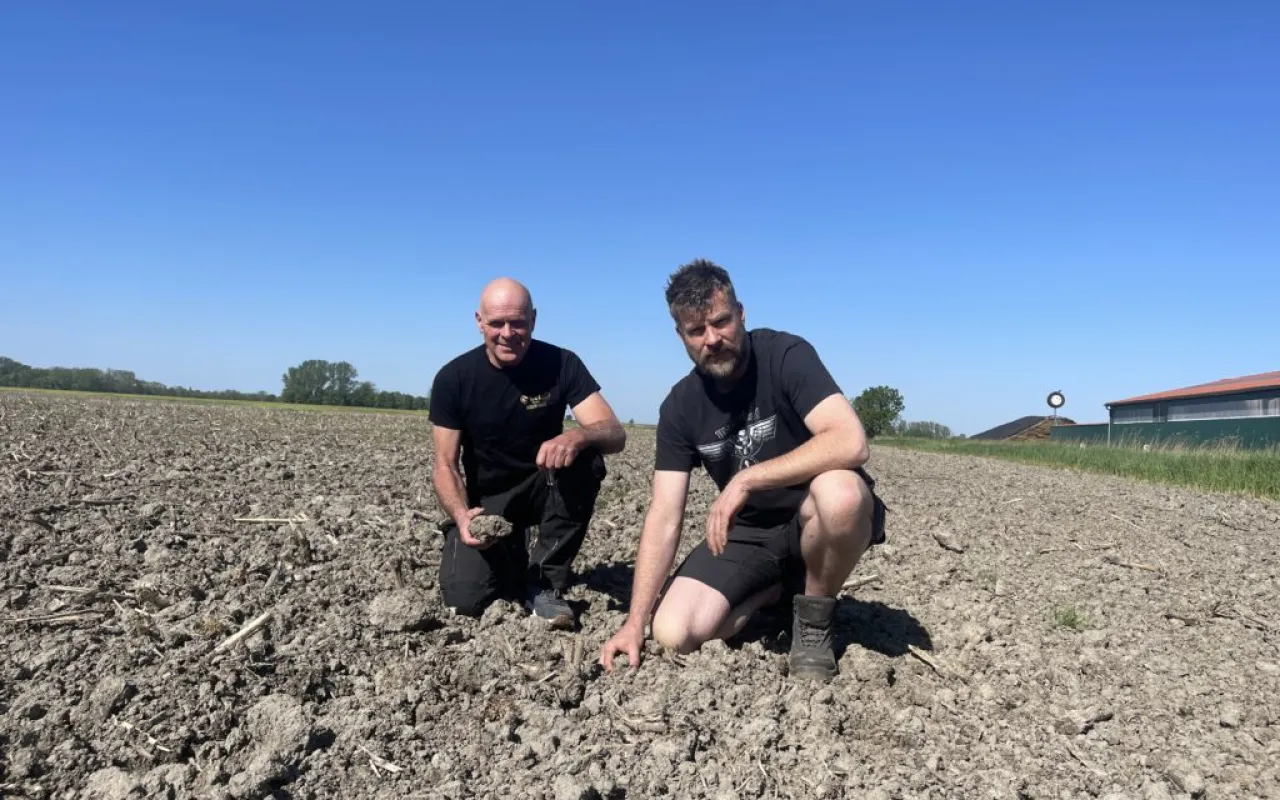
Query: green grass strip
x: 1249, y: 472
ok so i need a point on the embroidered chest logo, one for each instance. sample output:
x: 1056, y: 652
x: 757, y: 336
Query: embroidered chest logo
x: 746, y: 444
x: 531, y: 402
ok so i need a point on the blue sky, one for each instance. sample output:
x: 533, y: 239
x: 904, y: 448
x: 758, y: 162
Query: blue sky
x: 975, y: 203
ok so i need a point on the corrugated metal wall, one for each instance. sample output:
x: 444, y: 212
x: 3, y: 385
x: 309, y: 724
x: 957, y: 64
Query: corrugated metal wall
x: 1245, y: 404
x: 1257, y: 433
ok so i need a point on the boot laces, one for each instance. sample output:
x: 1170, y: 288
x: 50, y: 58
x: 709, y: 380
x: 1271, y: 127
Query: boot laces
x: 812, y: 635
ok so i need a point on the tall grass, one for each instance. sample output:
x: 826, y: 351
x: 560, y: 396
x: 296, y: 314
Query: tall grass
x: 1252, y: 472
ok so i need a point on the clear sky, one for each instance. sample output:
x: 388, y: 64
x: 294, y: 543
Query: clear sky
x: 975, y: 203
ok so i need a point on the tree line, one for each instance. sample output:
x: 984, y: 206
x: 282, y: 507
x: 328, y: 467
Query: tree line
x: 880, y: 409
x: 336, y: 383
x: 329, y: 383
x: 312, y: 382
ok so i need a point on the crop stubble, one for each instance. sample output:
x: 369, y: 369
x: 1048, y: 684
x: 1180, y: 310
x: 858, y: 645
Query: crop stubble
x: 1024, y: 632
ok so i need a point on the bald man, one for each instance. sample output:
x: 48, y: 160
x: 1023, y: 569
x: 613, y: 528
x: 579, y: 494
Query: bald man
x: 501, y: 407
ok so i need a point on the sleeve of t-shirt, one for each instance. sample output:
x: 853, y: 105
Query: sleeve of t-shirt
x: 805, y: 379
x: 576, y: 381
x: 675, y: 451
x: 446, y: 406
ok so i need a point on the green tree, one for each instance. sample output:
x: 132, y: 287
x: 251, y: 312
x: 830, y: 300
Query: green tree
x: 306, y: 382
x: 364, y: 395
x: 878, y: 408
x: 341, y: 383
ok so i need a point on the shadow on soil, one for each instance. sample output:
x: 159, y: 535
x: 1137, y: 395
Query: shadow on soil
x: 613, y: 580
x: 862, y: 623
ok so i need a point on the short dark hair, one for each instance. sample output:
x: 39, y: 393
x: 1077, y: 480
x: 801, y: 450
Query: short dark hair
x: 691, y: 287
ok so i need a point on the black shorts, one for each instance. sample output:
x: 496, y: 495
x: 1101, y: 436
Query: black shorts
x: 755, y: 559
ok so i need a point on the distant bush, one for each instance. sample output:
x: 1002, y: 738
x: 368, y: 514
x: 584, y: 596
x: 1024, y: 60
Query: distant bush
x: 121, y: 381
x: 312, y: 382
x: 922, y: 430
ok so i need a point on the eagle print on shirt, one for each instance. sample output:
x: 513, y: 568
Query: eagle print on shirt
x: 746, y: 444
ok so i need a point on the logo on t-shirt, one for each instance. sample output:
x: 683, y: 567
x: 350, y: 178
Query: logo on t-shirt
x: 746, y: 444
x: 531, y: 402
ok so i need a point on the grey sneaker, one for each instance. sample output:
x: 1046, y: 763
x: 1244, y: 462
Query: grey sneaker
x: 812, y: 654
x: 549, y: 605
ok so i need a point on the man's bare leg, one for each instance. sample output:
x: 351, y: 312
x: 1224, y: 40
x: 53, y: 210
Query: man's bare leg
x: 738, y: 617
x: 692, y: 613
x: 835, y: 532
x: 835, y: 524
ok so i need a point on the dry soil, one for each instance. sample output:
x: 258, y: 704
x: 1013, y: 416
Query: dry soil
x: 1024, y: 633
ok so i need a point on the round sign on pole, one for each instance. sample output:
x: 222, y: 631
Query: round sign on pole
x: 1056, y: 400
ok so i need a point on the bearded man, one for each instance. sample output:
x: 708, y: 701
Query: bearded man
x: 762, y: 415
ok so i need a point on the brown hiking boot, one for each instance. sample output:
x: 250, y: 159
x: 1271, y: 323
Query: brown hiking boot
x: 812, y: 654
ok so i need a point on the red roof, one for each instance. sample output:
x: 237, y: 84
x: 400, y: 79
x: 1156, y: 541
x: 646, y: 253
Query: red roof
x: 1263, y: 380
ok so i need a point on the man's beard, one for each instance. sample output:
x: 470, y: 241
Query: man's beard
x: 721, y: 364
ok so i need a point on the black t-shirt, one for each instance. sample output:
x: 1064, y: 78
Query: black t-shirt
x: 506, y: 414
x: 761, y: 418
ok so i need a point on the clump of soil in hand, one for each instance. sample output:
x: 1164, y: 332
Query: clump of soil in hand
x: 490, y: 528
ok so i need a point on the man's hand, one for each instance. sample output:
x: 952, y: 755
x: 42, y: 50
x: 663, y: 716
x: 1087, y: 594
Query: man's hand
x: 627, y: 641
x: 464, y: 529
x: 723, y: 510
x: 560, y: 452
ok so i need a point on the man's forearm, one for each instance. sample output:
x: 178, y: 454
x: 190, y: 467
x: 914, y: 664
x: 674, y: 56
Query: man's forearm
x: 653, y: 560
x: 450, y: 490
x: 607, y: 437
x: 822, y: 453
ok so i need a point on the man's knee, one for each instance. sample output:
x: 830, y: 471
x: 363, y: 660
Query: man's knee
x: 467, y: 582
x: 673, y: 630
x: 842, y: 500
x: 689, y: 614
x: 467, y: 598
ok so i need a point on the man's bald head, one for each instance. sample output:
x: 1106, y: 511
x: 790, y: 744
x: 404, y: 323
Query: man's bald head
x: 506, y: 318
x: 505, y: 292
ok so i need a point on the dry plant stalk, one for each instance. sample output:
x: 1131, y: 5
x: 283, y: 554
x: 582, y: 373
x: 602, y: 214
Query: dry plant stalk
x: 857, y: 583
x: 107, y: 501
x: 248, y: 630
x: 647, y: 723
x: 61, y: 618
x: 928, y: 660
x: 1127, y: 522
x: 575, y: 661
x: 212, y: 534
x: 1111, y: 559
x: 377, y: 761
x: 87, y: 592
x: 289, y: 520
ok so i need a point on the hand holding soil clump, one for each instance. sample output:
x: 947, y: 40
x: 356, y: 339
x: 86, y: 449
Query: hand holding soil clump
x: 489, y: 528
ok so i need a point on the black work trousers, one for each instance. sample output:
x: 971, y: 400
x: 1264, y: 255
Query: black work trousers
x: 558, y: 505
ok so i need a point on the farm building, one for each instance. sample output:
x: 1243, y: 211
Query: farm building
x: 1243, y: 411
x: 1022, y: 429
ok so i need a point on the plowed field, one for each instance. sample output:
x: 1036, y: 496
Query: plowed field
x: 1024, y: 632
